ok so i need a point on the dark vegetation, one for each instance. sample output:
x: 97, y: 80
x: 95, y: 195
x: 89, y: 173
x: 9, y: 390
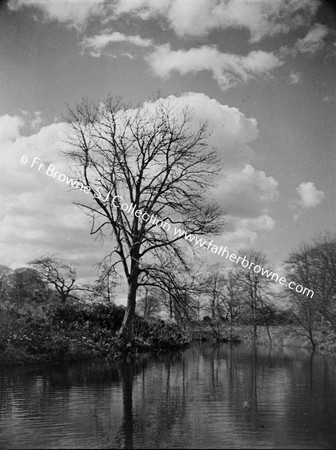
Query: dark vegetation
x: 76, y: 331
x: 38, y: 324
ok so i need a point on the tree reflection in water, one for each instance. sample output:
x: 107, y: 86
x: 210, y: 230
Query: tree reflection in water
x: 222, y: 396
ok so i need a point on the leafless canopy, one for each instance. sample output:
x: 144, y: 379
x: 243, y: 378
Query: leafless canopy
x: 57, y: 274
x: 153, y: 158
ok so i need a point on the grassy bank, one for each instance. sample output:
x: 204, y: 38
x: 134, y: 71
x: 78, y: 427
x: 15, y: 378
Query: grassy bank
x: 279, y: 335
x: 79, y: 331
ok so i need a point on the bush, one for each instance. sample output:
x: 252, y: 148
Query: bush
x: 79, y: 331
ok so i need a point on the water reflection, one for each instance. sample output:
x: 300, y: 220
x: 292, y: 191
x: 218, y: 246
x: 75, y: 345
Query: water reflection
x: 209, y: 396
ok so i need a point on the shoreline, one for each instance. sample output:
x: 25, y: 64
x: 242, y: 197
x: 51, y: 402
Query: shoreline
x: 283, y: 336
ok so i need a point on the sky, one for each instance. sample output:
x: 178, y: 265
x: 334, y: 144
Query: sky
x: 261, y: 72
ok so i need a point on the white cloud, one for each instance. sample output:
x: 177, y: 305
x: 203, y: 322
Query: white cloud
x: 38, y: 217
x: 186, y: 17
x: 128, y: 55
x: 313, y: 41
x: 227, y: 69
x: 294, y: 78
x: 10, y: 127
x: 309, y: 195
x: 74, y: 13
x: 231, y: 132
x: 239, y: 234
x: 246, y: 195
x: 246, y: 192
x: 97, y: 43
x: 245, y: 232
x: 37, y: 121
x: 197, y: 18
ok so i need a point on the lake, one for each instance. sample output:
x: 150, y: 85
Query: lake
x: 205, y: 397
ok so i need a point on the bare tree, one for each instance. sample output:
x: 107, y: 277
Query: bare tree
x: 147, y: 170
x: 212, y: 286
x: 150, y: 303
x: 254, y: 287
x: 232, y: 300
x: 225, y: 298
x: 57, y: 274
x: 107, y: 281
x: 322, y: 255
x: 178, y: 286
x: 211, y: 289
x: 314, y: 266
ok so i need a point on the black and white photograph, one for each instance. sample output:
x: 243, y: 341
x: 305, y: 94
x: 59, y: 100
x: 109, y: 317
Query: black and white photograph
x: 168, y: 224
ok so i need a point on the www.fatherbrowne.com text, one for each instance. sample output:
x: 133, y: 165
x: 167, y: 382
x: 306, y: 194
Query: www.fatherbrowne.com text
x: 130, y: 209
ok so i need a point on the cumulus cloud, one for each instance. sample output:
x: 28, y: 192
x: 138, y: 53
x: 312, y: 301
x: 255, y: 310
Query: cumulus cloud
x: 246, y: 192
x: 246, y: 195
x: 38, y: 216
x: 10, y: 127
x: 231, y: 132
x: 309, y: 195
x: 37, y: 121
x: 313, y: 41
x: 243, y: 233
x: 97, y: 43
x: 227, y: 69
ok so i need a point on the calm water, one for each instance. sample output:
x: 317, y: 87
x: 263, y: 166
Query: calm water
x: 222, y: 397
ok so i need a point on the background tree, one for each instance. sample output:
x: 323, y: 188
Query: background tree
x: 178, y: 287
x: 322, y: 256
x: 254, y: 287
x: 314, y: 266
x: 5, y: 273
x: 104, y: 287
x: 26, y: 285
x: 212, y: 287
x: 232, y: 300
x: 155, y: 159
x: 150, y: 303
x: 57, y: 274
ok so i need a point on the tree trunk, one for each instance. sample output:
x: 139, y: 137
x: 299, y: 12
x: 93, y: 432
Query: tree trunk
x: 127, y: 328
x: 254, y: 316
x: 312, y: 340
x: 146, y: 309
x: 108, y: 289
x: 170, y: 307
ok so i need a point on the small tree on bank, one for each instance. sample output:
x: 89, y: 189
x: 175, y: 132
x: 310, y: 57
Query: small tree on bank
x: 153, y: 160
